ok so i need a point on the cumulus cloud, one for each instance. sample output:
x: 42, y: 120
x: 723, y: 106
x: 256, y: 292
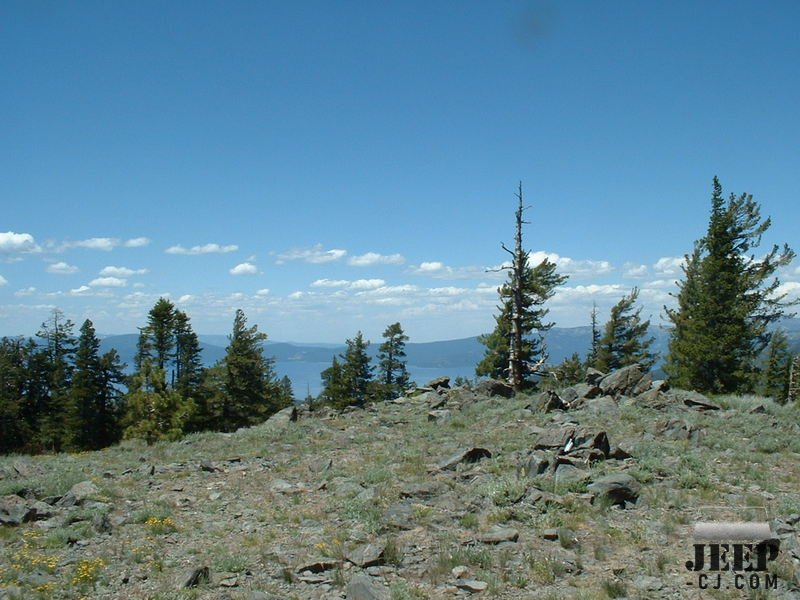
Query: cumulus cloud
x: 571, y: 266
x: 108, y: 282
x: 790, y: 288
x: 185, y: 299
x: 433, y: 266
x: 138, y: 242
x: 12, y: 243
x: 373, y: 258
x: 121, y: 271
x: 447, y: 291
x: 314, y: 255
x: 634, y: 271
x: 244, y: 268
x: 358, y: 284
x: 204, y: 249
x: 62, y: 268
x: 100, y: 243
x: 81, y: 290
x: 262, y: 292
x: 669, y: 265
x: 28, y: 291
x: 3, y: 280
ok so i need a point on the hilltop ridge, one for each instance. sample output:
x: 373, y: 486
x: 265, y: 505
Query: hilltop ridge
x: 586, y: 492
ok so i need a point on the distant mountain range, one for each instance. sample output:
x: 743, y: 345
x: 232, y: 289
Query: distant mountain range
x: 303, y: 363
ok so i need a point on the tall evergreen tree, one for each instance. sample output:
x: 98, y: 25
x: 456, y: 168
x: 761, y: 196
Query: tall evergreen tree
x: 188, y: 372
x: 357, y: 369
x: 727, y: 301
x: 624, y: 341
x: 334, y: 387
x: 515, y: 349
x: 15, y: 430
x: 538, y: 286
x: 93, y: 419
x: 778, y: 364
x: 392, y: 368
x: 252, y: 391
x: 58, y: 350
x: 591, y: 358
x: 153, y: 411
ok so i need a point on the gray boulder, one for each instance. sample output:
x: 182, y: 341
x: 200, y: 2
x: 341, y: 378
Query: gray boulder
x: 618, y: 488
x: 622, y: 381
x: 494, y: 387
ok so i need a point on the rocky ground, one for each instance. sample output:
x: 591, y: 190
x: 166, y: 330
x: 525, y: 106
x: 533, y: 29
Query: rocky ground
x: 591, y: 492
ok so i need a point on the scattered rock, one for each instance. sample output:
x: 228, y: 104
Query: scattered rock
x: 566, y: 473
x: 13, y: 510
x: 284, y: 417
x: 195, y: 577
x: 78, y: 494
x: 467, y: 456
x: 547, y: 401
x: 498, y: 535
x: 361, y: 587
x: 209, y: 467
x: 694, y: 400
x: 318, y: 565
x: 439, y: 382
x: 367, y: 555
x: 593, y: 376
x: 494, y: 387
x: 537, y: 463
x: 622, y: 381
x: 471, y: 585
x: 619, y: 488
x: 438, y: 416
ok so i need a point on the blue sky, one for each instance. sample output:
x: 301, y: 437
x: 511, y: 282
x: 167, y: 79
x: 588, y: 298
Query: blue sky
x: 330, y: 167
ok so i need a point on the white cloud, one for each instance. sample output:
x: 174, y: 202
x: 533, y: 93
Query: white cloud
x: 28, y: 291
x: 138, y: 242
x: 358, y: 284
x: 17, y: 243
x: 121, y: 272
x: 314, y: 255
x: 366, y: 284
x: 244, y: 268
x: 790, y: 288
x: 102, y: 243
x: 669, y: 265
x: 186, y: 298
x: 431, y: 267
x: 204, y: 249
x: 263, y: 292
x: 373, y: 258
x: 447, y: 291
x: 62, y: 268
x: 81, y: 290
x: 566, y: 294
x: 297, y: 295
x: 634, y: 271
x: 571, y: 266
x: 330, y: 283
x: 108, y: 282
x: 3, y: 280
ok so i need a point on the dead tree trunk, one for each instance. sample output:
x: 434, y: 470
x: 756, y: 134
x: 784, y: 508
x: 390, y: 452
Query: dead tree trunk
x: 516, y: 362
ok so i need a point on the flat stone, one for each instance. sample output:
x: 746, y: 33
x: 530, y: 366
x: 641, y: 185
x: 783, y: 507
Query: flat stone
x: 620, y: 488
x: 362, y: 587
x: 195, y: 577
x: 79, y: 493
x: 471, y: 585
x: 467, y: 456
x: 498, y: 535
x: 367, y: 555
x: 318, y: 565
x: 13, y: 510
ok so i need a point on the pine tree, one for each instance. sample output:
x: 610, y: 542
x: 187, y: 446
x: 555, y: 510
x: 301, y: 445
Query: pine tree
x: 571, y: 371
x: 334, y: 388
x: 188, y: 361
x: 624, y: 341
x: 357, y: 370
x: 93, y: 419
x: 538, y: 285
x: 727, y: 301
x: 58, y: 351
x: 252, y: 391
x: 392, y: 368
x: 15, y: 431
x: 591, y: 358
x: 775, y: 380
x: 153, y: 411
